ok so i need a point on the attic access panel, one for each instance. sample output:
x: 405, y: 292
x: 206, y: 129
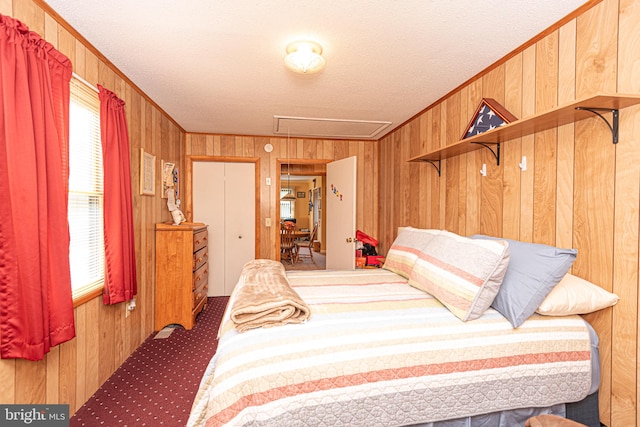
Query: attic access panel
x: 328, y: 128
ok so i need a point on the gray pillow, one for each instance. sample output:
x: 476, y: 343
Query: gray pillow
x: 534, y: 269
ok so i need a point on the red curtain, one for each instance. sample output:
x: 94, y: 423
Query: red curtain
x: 120, y: 258
x: 36, y: 306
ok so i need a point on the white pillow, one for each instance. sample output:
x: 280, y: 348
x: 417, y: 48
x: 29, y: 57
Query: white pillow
x: 574, y: 295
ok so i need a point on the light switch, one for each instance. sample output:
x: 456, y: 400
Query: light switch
x: 268, y: 181
x: 267, y: 221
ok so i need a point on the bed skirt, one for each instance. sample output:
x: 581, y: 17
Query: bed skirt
x: 585, y: 412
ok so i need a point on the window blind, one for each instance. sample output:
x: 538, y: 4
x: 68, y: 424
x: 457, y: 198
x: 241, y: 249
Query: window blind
x: 287, y: 207
x: 85, y: 190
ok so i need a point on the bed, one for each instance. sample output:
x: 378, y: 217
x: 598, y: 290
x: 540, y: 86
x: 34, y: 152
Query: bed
x: 369, y: 348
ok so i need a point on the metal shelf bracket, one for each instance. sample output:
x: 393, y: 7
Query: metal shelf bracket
x: 495, y: 153
x: 613, y: 125
x: 434, y: 163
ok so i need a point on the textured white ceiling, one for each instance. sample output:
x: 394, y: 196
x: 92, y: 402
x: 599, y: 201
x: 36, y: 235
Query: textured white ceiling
x: 216, y: 66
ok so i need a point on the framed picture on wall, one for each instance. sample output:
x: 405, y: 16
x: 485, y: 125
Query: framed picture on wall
x: 147, y: 173
x: 301, y: 194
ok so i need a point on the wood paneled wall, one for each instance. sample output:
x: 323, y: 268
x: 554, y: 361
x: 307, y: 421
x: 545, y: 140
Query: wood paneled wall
x: 105, y: 335
x: 307, y: 152
x: 579, y: 189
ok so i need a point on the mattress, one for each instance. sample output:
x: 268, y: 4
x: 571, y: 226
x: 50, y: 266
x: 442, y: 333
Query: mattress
x: 378, y: 352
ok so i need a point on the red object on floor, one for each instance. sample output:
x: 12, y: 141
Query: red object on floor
x: 365, y: 238
x: 375, y: 260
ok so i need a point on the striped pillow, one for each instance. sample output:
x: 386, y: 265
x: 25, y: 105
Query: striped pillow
x: 463, y: 275
x: 405, y: 249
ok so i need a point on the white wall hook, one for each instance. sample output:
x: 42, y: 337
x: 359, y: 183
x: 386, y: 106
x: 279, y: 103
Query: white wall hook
x: 483, y: 171
x: 523, y: 163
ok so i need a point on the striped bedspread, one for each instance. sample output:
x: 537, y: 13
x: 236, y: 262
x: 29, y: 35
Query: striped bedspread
x: 377, y: 352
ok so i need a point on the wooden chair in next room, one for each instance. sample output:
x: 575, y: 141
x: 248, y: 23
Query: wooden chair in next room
x: 288, y: 250
x: 308, y: 245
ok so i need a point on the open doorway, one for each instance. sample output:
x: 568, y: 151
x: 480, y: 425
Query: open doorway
x: 303, y: 184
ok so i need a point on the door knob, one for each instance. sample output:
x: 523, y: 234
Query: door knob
x: 239, y: 237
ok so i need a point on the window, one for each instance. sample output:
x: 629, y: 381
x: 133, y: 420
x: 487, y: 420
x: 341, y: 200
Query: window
x: 86, y: 252
x: 287, y: 207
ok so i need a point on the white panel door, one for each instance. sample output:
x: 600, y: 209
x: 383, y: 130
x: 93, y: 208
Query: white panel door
x: 224, y: 199
x: 340, y: 206
x: 208, y: 200
x: 240, y: 222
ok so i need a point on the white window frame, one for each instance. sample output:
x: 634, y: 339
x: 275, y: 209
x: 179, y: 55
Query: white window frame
x: 86, y: 195
x: 287, y: 207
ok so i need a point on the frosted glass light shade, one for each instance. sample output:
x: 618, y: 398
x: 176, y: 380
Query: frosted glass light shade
x: 304, y: 57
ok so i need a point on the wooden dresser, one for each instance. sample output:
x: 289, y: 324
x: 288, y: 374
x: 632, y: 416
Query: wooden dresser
x: 182, y: 271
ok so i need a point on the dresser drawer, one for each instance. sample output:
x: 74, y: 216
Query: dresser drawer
x: 200, y: 292
x: 200, y: 240
x: 200, y: 276
x: 200, y: 258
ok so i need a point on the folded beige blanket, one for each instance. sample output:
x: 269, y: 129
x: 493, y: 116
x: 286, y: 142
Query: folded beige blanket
x: 263, y: 297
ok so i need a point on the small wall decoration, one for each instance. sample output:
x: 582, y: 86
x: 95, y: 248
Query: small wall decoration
x: 301, y: 194
x: 335, y: 191
x: 147, y: 173
x: 170, y: 186
x: 176, y: 182
x: 489, y: 115
x: 169, y: 179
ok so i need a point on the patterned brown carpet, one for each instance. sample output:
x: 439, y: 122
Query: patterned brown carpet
x: 156, y: 385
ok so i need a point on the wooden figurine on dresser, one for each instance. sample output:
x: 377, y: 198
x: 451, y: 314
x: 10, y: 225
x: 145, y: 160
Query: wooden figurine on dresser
x: 182, y: 271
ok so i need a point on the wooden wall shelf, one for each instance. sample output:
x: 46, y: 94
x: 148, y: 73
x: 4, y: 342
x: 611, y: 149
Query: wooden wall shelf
x: 576, y: 111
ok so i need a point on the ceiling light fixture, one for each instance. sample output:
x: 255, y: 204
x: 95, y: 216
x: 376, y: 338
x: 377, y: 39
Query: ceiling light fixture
x: 304, y: 57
